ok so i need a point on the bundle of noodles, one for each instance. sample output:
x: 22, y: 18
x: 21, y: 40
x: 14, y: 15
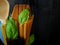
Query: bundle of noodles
x: 22, y: 16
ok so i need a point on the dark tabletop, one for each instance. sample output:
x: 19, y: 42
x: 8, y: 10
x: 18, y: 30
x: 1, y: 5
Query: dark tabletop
x: 46, y: 21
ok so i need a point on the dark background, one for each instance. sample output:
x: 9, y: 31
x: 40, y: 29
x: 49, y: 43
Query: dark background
x: 46, y: 25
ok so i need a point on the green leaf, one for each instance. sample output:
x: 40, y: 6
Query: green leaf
x: 11, y: 29
x: 31, y: 39
x: 23, y: 16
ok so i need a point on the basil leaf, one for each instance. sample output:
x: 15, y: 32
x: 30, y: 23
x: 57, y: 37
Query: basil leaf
x: 23, y: 16
x: 11, y: 29
x: 31, y: 39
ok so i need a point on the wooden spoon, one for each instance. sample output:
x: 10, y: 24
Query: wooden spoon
x: 4, y: 11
